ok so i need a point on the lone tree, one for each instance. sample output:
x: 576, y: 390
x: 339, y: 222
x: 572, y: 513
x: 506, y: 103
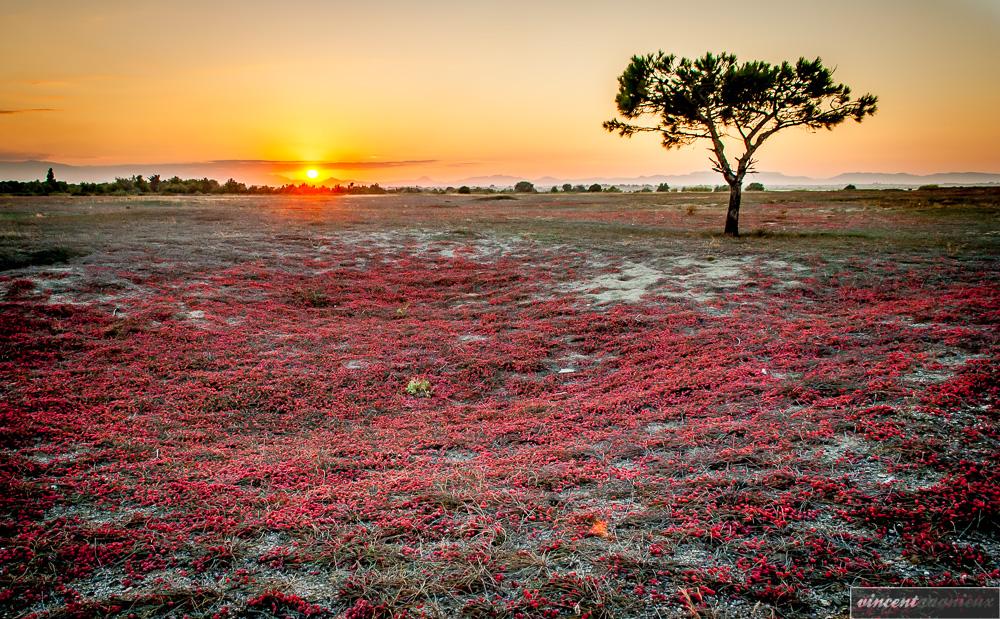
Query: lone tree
x: 716, y: 97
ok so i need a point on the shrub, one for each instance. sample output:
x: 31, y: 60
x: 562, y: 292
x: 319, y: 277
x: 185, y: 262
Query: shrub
x: 850, y: 188
x: 567, y: 187
x: 464, y: 189
x: 928, y: 187
x: 310, y: 297
x: 663, y: 188
x: 755, y: 187
x: 420, y: 387
x: 595, y: 188
x: 524, y: 187
x: 38, y: 257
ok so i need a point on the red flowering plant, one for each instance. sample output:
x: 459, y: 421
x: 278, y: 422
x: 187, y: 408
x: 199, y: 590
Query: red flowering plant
x: 389, y: 423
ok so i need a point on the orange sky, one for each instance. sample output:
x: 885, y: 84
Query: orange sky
x: 459, y: 89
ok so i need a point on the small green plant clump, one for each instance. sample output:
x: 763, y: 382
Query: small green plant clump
x: 755, y: 187
x: 420, y: 387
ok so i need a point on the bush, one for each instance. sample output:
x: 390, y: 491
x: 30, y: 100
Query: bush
x: 464, y: 189
x: 850, y: 188
x: 38, y: 257
x: 696, y: 188
x: 567, y: 187
x: 663, y: 188
x: 554, y: 189
x: 755, y: 187
x: 595, y: 188
x: 928, y: 187
x: 420, y: 387
x: 524, y: 187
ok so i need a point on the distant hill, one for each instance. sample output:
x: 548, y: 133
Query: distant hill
x: 772, y: 180
x: 241, y: 171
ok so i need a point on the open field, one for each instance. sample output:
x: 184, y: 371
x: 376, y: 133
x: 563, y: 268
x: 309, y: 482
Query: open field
x: 204, y: 405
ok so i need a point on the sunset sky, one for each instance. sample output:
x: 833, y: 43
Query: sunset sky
x: 388, y: 90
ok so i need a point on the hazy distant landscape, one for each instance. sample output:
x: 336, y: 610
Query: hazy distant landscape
x: 259, y: 172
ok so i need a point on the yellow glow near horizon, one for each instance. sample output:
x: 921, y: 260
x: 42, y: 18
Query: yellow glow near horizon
x: 313, y: 174
x: 437, y: 89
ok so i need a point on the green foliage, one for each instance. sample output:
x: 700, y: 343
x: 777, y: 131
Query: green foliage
x: 716, y: 96
x: 699, y: 98
x: 137, y: 185
x: 928, y: 187
x: 696, y: 188
x: 420, y: 387
x: 663, y: 188
x: 850, y: 188
x: 755, y: 187
x: 524, y: 187
x: 464, y: 189
x: 554, y: 189
x: 720, y: 188
x: 567, y: 187
x: 595, y: 188
x: 231, y: 186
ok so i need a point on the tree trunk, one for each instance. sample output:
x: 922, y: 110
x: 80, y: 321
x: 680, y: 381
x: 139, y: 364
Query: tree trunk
x: 733, y: 215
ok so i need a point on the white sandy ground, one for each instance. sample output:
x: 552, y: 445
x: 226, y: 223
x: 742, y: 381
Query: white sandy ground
x: 682, y: 277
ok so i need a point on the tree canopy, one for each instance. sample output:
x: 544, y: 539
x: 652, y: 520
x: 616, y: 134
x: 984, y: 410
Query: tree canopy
x: 716, y: 97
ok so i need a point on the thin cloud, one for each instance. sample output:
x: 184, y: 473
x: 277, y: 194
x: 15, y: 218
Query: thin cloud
x: 21, y: 155
x: 29, y: 110
x: 340, y: 165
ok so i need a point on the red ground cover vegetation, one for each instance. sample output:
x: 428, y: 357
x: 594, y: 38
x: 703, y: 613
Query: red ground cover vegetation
x: 189, y: 439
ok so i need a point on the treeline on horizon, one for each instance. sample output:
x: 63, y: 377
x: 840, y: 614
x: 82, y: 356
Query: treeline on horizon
x: 139, y: 185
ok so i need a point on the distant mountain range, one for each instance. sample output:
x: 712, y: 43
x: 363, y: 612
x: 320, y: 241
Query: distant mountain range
x: 256, y: 174
x: 775, y: 180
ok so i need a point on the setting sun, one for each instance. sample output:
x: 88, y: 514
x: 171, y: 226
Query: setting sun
x: 312, y: 173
